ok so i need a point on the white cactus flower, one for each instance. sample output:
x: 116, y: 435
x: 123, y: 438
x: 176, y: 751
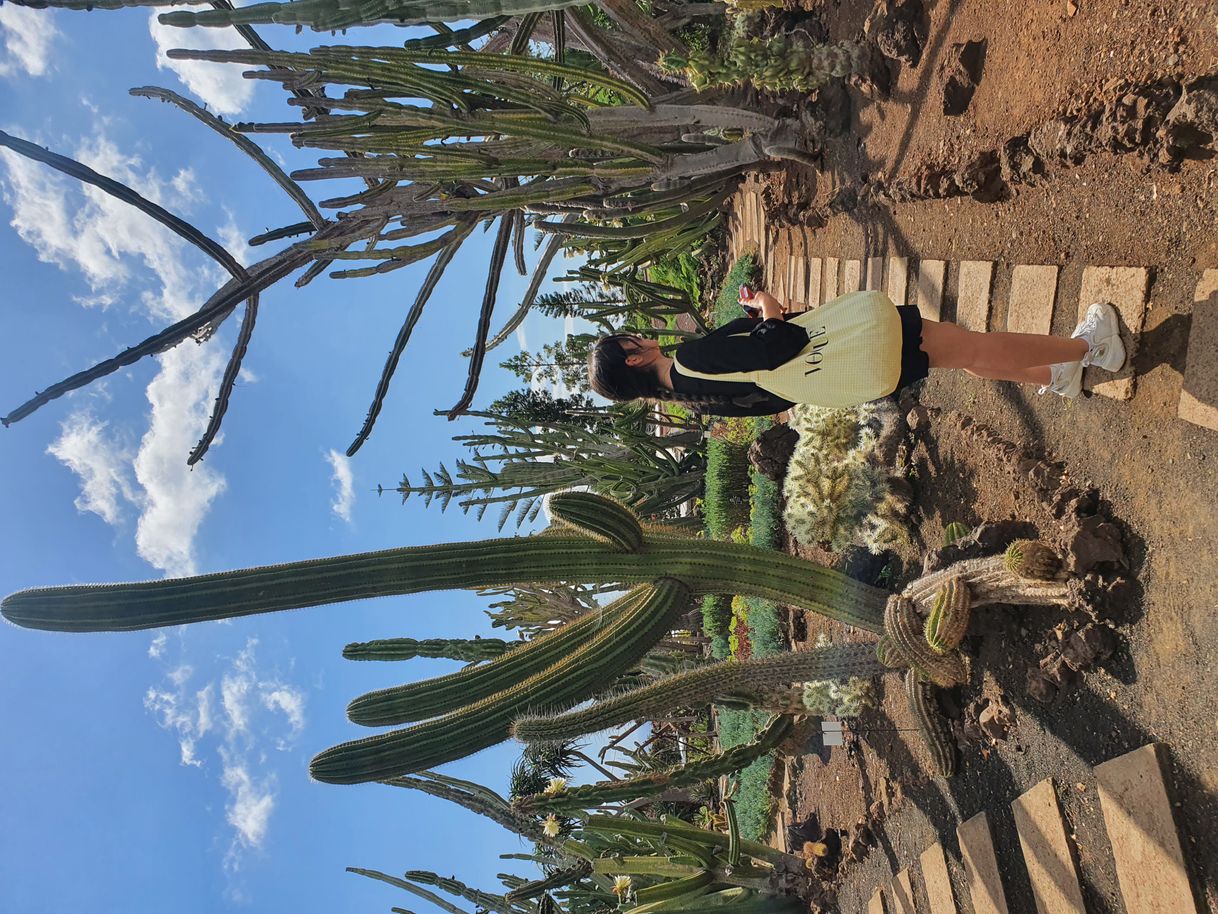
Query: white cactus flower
x: 551, y: 827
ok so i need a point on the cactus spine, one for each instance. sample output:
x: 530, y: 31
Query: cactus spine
x: 589, y: 796
x: 612, y: 651
x: 931, y: 724
x: 1033, y: 560
x: 429, y: 697
x: 470, y: 650
x: 701, y: 685
x: 949, y: 617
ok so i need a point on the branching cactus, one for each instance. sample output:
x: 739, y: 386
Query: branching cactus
x: 616, y: 647
x: 700, y: 686
x: 470, y: 650
x: 931, y: 724
x: 590, y: 796
x: 704, y: 566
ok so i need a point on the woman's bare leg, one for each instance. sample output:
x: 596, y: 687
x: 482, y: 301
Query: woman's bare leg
x: 1041, y: 375
x: 1006, y: 356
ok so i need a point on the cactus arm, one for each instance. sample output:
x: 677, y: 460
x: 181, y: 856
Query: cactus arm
x: 701, y: 685
x: 440, y: 902
x: 931, y: 724
x: 614, y: 649
x: 599, y: 518
x: 588, y: 796
x: 470, y: 650
x: 429, y: 697
x: 706, y: 566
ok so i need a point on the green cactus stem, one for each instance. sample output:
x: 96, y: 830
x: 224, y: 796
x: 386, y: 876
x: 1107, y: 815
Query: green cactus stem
x: 1033, y: 560
x: 948, y: 621
x: 558, y: 879
x: 989, y: 581
x: 706, y: 566
x: 700, y: 686
x: 469, y: 650
x: 590, y: 796
x: 430, y: 697
x: 614, y: 649
x: 931, y: 724
x: 905, y: 628
x: 601, y: 519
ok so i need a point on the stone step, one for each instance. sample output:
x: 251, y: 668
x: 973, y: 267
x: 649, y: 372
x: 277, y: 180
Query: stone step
x: 1142, y: 831
x: 981, y: 866
x: 900, y: 890
x: 937, y: 881
x: 852, y: 276
x: 973, y: 294
x: 1046, y: 851
x: 897, y: 279
x: 876, y: 904
x: 816, y: 268
x: 832, y: 279
x: 1126, y: 288
x: 928, y: 291
x: 1199, y: 393
x: 1033, y: 292
x: 873, y: 276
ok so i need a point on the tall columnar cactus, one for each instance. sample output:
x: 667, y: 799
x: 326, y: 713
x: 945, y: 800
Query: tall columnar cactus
x: 775, y: 63
x: 590, y: 796
x: 931, y: 723
x: 704, y: 566
x: 429, y: 697
x: 470, y: 650
x: 700, y: 686
x: 610, y: 652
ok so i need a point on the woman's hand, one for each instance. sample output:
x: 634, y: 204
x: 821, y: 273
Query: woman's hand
x: 767, y: 304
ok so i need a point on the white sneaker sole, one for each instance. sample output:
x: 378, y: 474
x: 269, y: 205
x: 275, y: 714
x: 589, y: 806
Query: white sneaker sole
x: 1111, y: 349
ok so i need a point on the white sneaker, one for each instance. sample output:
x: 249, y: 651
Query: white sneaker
x: 1065, y: 380
x: 1102, y: 332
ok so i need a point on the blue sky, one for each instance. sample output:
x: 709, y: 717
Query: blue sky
x: 168, y: 771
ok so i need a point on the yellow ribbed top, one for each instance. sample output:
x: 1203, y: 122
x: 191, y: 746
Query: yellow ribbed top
x: 853, y: 355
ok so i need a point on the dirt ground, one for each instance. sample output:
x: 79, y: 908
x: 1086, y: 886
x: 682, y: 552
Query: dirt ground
x: 1157, y: 476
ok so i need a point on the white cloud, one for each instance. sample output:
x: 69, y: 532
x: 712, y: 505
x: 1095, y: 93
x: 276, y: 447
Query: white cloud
x: 233, y: 239
x: 220, y: 86
x: 157, y: 647
x: 102, y: 464
x: 260, y: 710
x: 249, y: 807
x: 344, y: 485
x: 82, y: 228
x: 27, y: 40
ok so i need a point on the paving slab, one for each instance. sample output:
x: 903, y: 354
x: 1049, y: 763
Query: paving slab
x: 937, y: 881
x: 1126, y: 288
x: 901, y: 892
x: 973, y: 294
x: 1142, y: 830
x: 816, y: 268
x: 852, y: 276
x: 797, y: 288
x: 981, y: 866
x: 832, y: 279
x: 897, y: 279
x: 1199, y: 395
x: 873, y: 277
x: 1033, y: 291
x: 928, y: 292
x: 876, y: 904
x: 1046, y: 851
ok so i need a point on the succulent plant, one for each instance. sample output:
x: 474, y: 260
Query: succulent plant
x: 931, y: 724
x: 1033, y: 560
x: 949, y: 617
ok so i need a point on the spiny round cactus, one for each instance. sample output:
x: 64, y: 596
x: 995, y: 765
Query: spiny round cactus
x: 949, y: 617
x: 1032, y: 560
x: 954, y: 532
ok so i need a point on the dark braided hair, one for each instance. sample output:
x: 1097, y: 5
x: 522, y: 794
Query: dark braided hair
x: 613, y: 379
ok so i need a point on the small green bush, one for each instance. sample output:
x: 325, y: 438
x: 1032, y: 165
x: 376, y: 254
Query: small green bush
x: 727, y: 305
x: 726, y: 505
x: 753, y: 801
x: 717, y: 620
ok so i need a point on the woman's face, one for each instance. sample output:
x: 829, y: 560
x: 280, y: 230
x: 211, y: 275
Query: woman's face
x: 640, y: 351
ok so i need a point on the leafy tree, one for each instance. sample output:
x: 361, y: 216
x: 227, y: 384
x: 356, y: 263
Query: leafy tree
x: 526, y: 407
x: 560, y: 363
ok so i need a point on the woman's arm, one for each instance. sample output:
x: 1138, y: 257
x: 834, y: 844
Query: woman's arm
x: 763, y: 302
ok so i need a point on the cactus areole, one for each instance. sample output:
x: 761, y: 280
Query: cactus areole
x: 704, y: 566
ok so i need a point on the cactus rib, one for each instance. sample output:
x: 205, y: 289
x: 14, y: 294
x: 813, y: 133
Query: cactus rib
x: 931, y: 724
x: 949, y: 617
x: 455, y: 735
x: 701, y: 685
x: 902, y: 624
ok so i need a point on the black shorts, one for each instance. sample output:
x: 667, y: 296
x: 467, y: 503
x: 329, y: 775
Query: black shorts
x: 915, y: 364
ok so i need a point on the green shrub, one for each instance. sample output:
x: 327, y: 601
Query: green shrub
x: 726, y: 504
x: 765, y: 524
x: 717, y: 621
x: 727, y: 305
x: 753, y: 801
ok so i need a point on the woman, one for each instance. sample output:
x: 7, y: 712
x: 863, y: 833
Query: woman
x: 856, y: 348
